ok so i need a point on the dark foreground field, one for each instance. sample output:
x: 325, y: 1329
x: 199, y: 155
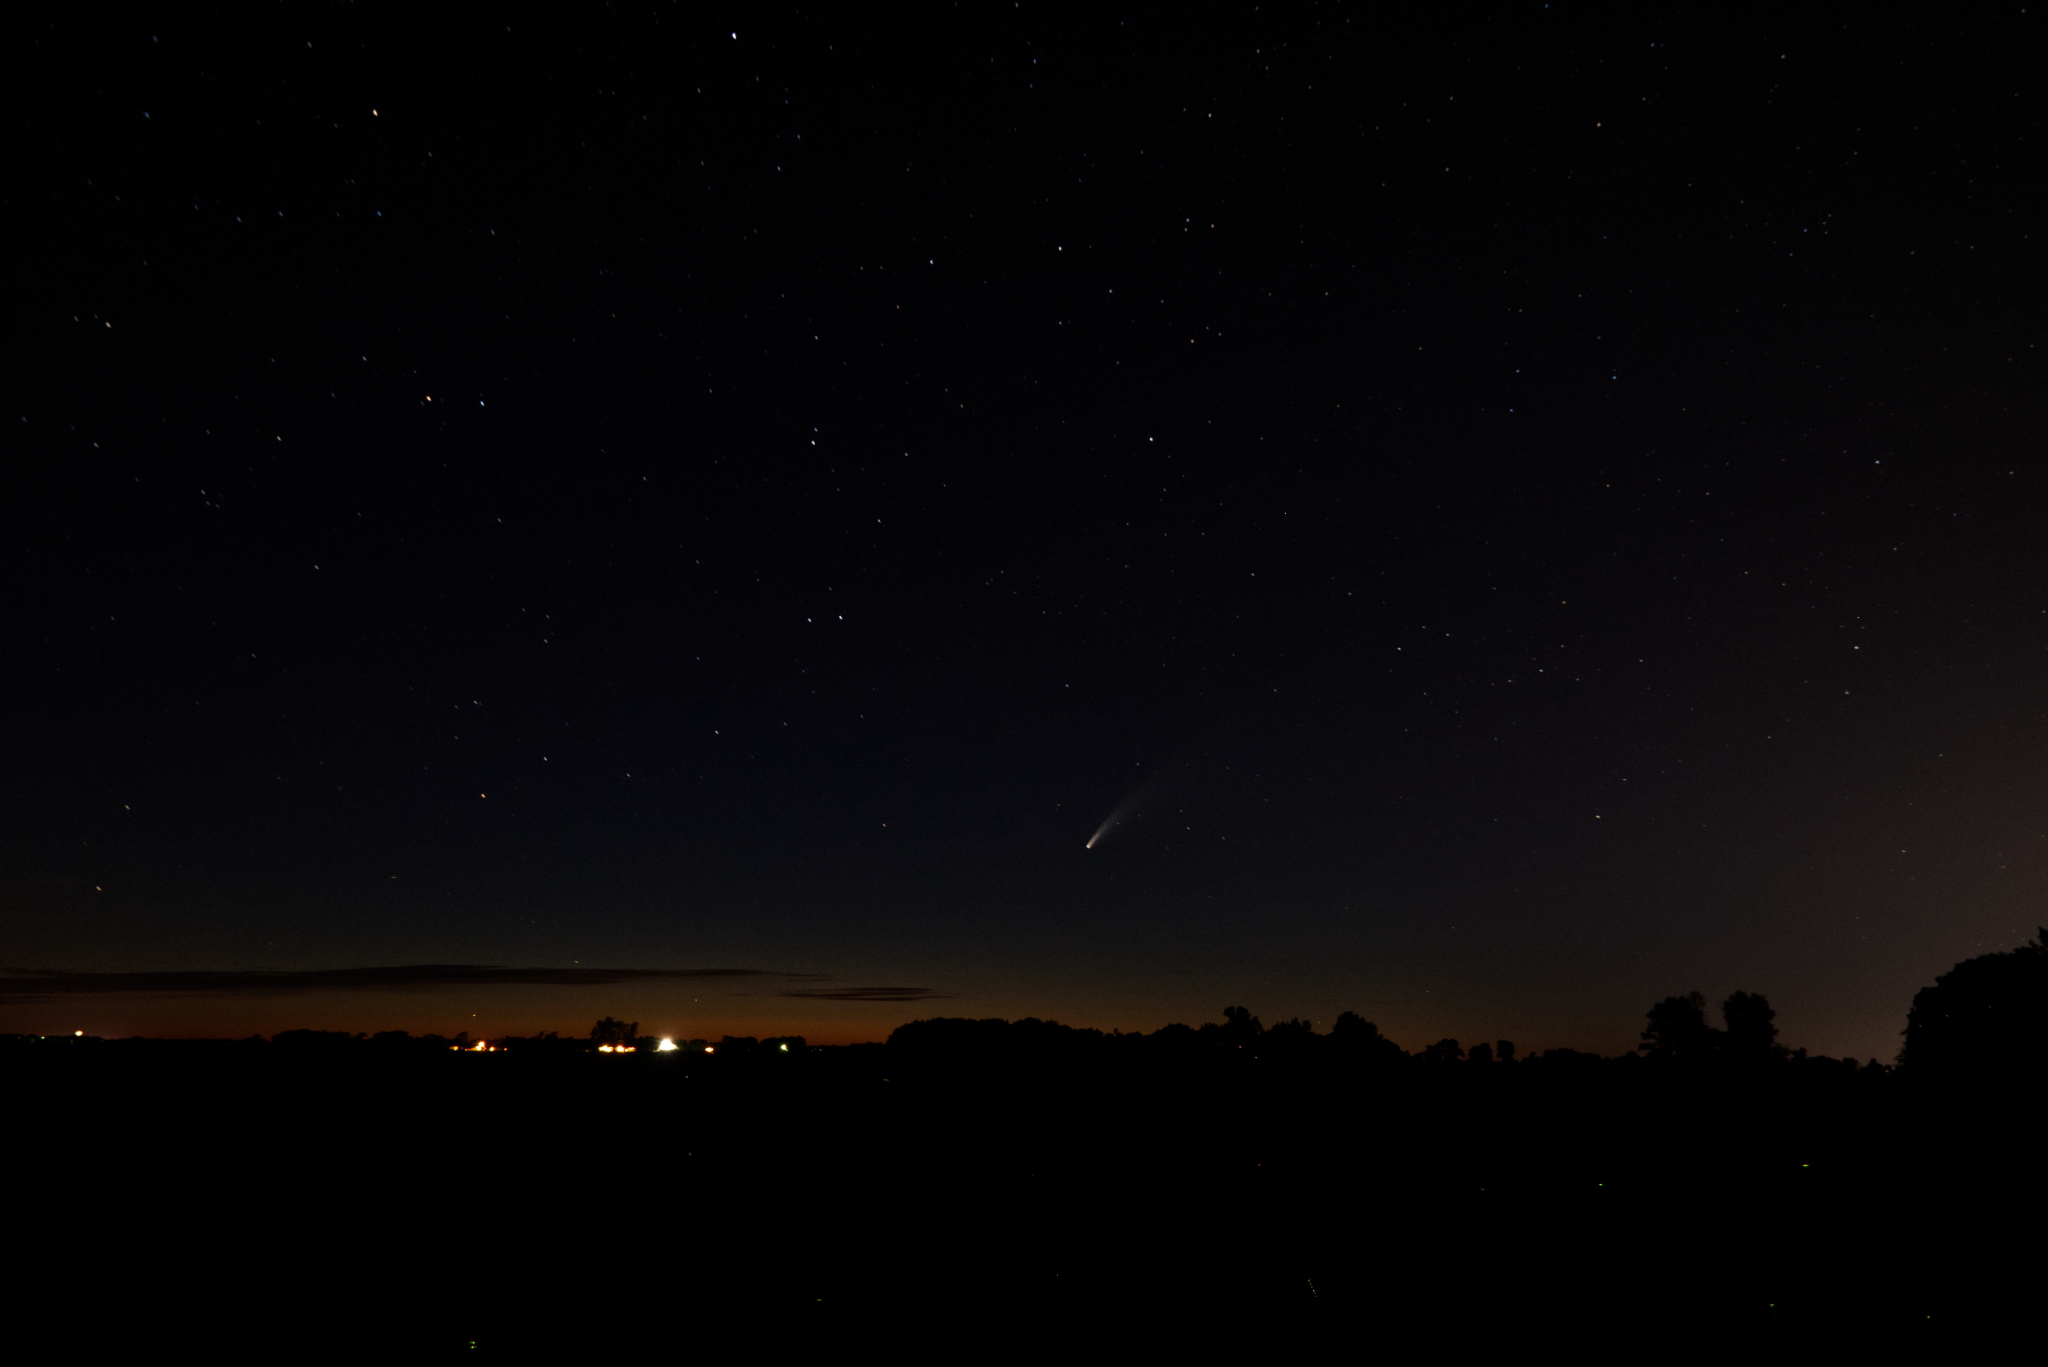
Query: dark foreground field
x: 247, y: 1199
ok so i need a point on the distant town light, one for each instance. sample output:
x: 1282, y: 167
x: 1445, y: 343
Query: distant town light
x: 79, y: 1033
x: 707, y: 1048
x: 667, y: 1046
x: 785, y: 1048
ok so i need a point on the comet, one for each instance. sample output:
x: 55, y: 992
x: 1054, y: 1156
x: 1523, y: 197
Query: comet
x: 1124, y: 811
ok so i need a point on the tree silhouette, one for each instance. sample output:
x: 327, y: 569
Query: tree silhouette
x: 609, y: 1031
x: 1481, y: 1052
x: 1356, y: 1037
x: 1351, y: 1026
x: 1443, y: 1051
x: 1752, y: 1033
x: 1987, y: 1015
x: 1678, y: 1030
x: 1240, y: 1026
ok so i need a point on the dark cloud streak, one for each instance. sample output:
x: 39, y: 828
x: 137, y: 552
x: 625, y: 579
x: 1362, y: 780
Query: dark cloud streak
x: 20, y: 985
x: 867, y: 994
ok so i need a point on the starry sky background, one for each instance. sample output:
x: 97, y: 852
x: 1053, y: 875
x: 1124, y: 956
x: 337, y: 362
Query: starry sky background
x: 1520, y: 513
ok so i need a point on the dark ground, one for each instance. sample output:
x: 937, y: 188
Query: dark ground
x: 243, y: 1197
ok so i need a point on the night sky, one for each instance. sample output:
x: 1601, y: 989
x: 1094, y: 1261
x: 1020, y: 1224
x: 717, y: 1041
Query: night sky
x: 1493, y: 518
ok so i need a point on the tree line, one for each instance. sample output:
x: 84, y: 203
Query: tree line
x: 1987, y: 1016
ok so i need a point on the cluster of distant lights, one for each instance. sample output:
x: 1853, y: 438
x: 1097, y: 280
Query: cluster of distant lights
x: 666, y: 1046
x: 484, y: 1046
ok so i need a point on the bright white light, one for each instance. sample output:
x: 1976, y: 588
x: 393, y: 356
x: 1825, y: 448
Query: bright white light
x: 785, y: 1048
x: 667, y: 1046
x: 707, y: 1048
